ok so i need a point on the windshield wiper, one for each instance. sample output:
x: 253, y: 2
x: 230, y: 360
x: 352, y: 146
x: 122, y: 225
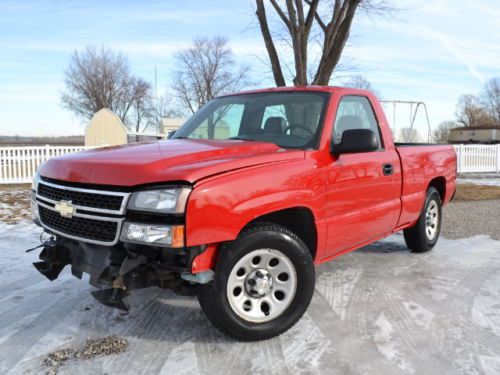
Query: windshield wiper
x: 242, y: 139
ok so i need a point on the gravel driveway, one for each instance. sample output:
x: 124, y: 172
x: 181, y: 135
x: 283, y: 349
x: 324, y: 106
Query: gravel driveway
x: 468, y: 218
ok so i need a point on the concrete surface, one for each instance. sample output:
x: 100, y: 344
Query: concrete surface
x: 379, y: 310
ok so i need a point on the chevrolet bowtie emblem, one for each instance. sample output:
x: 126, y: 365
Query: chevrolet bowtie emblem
x: 65, y: 208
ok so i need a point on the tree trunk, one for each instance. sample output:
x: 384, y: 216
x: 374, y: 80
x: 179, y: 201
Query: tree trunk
x: 268, y: 40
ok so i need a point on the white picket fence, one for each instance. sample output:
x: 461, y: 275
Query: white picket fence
x: 478, y: 158
x: 19, y: 164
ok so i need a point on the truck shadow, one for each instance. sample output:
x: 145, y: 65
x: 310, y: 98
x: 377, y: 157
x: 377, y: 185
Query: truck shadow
x: 385, y: 246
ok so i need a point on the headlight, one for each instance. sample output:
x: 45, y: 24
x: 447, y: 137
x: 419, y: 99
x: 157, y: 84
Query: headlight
x: 36, y: 179
x: 172, y: 200
x: 153, y: 234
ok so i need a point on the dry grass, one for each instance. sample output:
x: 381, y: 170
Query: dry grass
x: 14, y: 187
x: 14, y: 203
x: 470, y: 192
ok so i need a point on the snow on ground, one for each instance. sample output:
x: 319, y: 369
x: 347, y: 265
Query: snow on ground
x: 480, y: 181
x: 379, y: 310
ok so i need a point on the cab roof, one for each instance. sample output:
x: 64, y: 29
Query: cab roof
x: 328, y: 89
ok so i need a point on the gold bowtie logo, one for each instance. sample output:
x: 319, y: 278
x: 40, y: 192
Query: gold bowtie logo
x: 65, y: 209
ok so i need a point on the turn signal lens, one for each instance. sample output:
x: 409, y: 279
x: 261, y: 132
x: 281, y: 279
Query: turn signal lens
x: 151, y: 234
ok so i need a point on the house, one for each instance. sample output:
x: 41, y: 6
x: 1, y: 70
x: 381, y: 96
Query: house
x: 487, y: 134
x: 105, y: 129
x: 171, y: 124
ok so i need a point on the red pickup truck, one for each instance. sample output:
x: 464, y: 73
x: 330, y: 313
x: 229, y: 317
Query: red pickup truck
x: 251, y: 193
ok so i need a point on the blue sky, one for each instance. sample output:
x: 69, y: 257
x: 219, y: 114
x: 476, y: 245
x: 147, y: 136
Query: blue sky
x: 431, y: 51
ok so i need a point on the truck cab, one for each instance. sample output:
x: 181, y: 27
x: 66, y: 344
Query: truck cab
x: 240, y: 205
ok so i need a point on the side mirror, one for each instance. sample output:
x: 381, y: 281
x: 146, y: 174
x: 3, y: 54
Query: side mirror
x: 171, y: 134
x: 355, y: 140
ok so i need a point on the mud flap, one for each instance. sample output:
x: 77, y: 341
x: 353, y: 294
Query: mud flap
x: 112, y: 297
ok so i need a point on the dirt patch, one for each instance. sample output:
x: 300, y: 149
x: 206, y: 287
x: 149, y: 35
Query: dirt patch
x: 93, y: 348
x: 14, y: 203
x: 10, y: 187
x: 470, y: 192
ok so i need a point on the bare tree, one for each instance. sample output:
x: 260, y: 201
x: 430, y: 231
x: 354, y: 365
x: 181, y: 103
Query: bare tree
x: 409, y: 135
x: 333, y: 20
x: 490, y: 98
x: 359, y: 81
x: 206, y: 70
x: 471, y: 113
x: 100, y: 78
x: 142, y: 108
x: 442, y: 134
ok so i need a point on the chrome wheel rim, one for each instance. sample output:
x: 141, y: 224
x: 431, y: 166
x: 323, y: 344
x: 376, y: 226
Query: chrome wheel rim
x: 261, y: 285
x: 432, y: 220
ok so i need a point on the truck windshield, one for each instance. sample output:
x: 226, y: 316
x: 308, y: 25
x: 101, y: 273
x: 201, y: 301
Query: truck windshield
x: 288, y: 119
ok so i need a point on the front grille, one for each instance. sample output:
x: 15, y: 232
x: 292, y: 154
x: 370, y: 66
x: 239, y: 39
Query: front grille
x: 84, y: 228
x: 81, y: 198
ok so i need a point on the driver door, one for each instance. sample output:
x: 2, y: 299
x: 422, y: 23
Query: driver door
x: 363, y: 193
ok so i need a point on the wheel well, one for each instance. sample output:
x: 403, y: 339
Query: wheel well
x: 299, y: 220
x: 439, y: 183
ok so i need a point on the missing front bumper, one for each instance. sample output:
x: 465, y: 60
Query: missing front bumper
x: 116, y: 271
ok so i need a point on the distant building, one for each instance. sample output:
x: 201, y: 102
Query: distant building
x: 170, y: 124
x: 105, y: 129
x: 477, y: 134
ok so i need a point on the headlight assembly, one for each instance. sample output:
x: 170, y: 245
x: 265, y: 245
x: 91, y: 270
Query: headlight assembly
x: 168, y: 200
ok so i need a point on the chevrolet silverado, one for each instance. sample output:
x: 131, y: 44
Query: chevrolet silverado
x: 240, y: 205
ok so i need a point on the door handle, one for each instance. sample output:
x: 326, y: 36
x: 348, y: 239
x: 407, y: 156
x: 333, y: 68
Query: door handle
x: 388, y: 169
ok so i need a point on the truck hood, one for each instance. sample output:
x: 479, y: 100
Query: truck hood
x: 162, y: 161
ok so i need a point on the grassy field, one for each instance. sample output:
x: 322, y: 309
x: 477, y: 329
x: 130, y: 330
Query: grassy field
x: 470, y: 192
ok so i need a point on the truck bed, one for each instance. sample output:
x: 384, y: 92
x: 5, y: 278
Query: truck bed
x: 420, y: 164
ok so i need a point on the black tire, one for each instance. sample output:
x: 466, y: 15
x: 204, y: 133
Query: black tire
x: 213, y: 297
x: 416, y: 237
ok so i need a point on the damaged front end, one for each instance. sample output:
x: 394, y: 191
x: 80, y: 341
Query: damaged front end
x: 105, y: 234
x: 116, y: 271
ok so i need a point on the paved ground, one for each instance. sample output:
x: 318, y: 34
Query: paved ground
x: 379, y: 310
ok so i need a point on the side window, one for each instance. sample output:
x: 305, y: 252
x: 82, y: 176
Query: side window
x: 222, y: 124
x: 355, y: 112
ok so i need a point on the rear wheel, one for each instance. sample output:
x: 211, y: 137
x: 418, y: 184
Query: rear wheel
x: 425, y: 233
x: 263, y: 284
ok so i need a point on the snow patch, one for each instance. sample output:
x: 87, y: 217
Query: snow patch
x: 337, y: 287
x: 387, y: 344
x: 181, y: 361
x: 480, y: 181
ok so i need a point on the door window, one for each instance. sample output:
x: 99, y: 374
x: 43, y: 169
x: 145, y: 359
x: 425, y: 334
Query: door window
x: 355, y: 112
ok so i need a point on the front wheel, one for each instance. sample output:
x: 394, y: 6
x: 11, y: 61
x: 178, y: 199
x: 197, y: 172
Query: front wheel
x: 424, y: 234
x: 263, y: 284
